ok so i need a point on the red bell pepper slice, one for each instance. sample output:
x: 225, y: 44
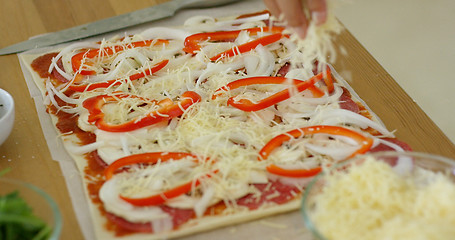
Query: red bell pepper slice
x: 248, y: 46
x: 328, y: 80
x: 294, y: 173
x: 168, y: 110
x: 192, y: 42
x: 364, y: 142
x: 76, y: 60
x: 168, y: 194
x: 153, y: 158
x: 89, y: 87
x: 248, y: 106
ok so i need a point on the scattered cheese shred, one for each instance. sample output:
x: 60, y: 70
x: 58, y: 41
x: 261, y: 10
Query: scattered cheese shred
x: 318, y: 42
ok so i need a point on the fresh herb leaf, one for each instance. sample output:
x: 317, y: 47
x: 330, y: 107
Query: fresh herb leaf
x: 17, y: 220
x: 4, y: 171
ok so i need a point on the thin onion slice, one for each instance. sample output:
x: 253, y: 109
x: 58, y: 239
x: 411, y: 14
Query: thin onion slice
x: 338, y: 116
x: 51, y: 97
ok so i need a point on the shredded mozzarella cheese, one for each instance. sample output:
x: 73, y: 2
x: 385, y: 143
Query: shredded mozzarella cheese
x: 372, y: 202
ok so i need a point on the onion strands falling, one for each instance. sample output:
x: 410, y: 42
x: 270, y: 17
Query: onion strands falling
x: 52, y: 92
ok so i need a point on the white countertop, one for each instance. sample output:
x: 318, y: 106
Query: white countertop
x: 414, y: 40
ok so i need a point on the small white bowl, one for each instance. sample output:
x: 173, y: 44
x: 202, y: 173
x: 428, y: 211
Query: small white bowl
x: 6, y: 115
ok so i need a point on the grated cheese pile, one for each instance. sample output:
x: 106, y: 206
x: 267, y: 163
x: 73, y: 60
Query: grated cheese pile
x: 373, y: 202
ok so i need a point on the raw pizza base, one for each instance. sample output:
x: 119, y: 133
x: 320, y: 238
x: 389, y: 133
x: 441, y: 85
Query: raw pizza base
x: 195, y: 225
x: 202, y: 225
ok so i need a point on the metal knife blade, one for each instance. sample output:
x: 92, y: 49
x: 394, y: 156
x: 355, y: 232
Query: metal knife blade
x: 157, y: 12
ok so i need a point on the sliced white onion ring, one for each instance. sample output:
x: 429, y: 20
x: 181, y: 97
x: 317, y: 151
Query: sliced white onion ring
x: 198, y: 20
x: 164, y: 33
x: 337, y: 153
x: 50, y: 97
x: 337, y: 116
x: 259, y: 63
x: 68, y: 49
x: 257, y: 18
x: 109, y: 194
x: 202, y: 205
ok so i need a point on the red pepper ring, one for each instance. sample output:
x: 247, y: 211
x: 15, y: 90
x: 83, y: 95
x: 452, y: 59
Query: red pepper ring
x: 248, y: 106
x: 328, y: 80
x: 192, y: 42
x: 76, y: 60
x: 364, y: 142
x: 294, y: 173
x: 171, y: 193
x: 317, y: 92
x: 168, y: 110
x: 89, y: 87
x: 153, y: 158
x: 94, y: 104
x: 254, y: 80
x: 264, y: 41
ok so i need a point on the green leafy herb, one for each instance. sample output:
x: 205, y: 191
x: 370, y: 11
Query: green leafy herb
x: 4, y: 171
x: 18, y: 222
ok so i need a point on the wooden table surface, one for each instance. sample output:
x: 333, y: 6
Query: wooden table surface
x: 26, y: 152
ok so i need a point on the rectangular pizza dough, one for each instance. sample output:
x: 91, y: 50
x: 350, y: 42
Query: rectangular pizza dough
x: 284, y: 226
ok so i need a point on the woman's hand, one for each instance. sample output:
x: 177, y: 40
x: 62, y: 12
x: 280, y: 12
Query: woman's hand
x: 295, y: 12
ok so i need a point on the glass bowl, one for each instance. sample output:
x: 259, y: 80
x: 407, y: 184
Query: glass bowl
x: 42, y: 206
x: 323, y: 196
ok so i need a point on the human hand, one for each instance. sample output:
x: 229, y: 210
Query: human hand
x: 295, y: 13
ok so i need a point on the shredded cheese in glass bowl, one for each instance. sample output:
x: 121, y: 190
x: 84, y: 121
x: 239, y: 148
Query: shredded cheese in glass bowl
x: 386, y: 195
